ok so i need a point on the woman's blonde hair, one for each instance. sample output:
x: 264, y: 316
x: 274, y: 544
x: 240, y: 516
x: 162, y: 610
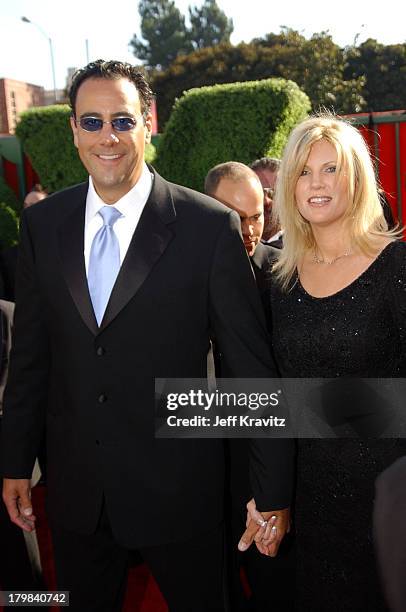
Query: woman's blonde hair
x: 366, y: 221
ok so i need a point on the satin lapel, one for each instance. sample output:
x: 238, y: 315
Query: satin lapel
x: 71, y: 245
x: 148, y: 243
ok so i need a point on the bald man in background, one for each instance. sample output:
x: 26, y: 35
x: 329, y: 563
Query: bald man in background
x: 238, y: 187
x: 36, y: 194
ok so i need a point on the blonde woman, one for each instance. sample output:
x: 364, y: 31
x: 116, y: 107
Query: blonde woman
x: 338, y: 297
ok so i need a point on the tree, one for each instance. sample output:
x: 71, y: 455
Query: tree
x: 287, y: 37
x: 384, y: 69
x: 316, y: 65
x: 224, y: 63
x: 209, y: 25
x: 164, y: 31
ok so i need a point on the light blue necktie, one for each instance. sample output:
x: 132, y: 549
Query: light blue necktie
x: 104, y: 262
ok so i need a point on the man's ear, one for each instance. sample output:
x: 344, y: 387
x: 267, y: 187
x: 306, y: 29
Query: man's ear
x: 148, y: 128
x: 74, y: 130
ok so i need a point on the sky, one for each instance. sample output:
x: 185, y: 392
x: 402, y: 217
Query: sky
x: 108, y: 28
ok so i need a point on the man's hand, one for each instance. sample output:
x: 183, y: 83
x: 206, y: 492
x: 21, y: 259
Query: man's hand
x: 267, y: 529
x: 17, y: 498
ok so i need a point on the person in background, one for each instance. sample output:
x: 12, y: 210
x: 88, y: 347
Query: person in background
x: 338, y: 303
x: 238, y: 187
x: 36, y: 194
x: 266, y: 169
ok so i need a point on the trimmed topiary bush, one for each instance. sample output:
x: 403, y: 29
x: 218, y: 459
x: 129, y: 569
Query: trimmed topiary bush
x: 7, y: 196
x: 47, y: 139
x: 236, y: 121
x: 8, y: 226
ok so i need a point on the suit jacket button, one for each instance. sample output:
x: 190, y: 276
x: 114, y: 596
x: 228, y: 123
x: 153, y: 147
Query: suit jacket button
x: 102, y: 398
x: 100, y: 351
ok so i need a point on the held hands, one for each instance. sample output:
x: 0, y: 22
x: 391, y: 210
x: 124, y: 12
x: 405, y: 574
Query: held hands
x: 17, y: 499
x: 267, y: 529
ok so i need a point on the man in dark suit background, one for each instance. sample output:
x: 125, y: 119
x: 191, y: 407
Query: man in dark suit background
x: 92, y: 360
x: 238, y: 187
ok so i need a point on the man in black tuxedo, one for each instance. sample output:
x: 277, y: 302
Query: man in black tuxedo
x: 111, y: 485
x: 238, y: 187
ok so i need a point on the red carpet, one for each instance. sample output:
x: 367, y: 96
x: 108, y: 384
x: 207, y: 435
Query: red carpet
x: 143, y: 594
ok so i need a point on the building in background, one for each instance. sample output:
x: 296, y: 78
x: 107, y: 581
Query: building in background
x: 49, y: 96
x: 16, y: 97
x: 69, y: 76
x: 61, y: 94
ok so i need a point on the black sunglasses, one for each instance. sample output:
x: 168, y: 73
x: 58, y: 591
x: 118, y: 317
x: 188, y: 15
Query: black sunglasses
x: 95, y: 124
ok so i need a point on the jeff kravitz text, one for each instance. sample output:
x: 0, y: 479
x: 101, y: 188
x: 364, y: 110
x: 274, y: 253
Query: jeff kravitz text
x: 230, y: 421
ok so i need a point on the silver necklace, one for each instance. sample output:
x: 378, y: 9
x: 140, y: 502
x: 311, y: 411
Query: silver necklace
x: 330, y: 262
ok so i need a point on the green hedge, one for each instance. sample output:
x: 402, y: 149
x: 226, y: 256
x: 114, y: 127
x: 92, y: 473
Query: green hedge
x: 7, y: 196
x: 236, y: 121
x: 8, y: 226
x: 47, y: 139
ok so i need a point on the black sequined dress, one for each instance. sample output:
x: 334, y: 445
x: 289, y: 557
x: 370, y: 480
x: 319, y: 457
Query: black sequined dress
x: 359, y: 331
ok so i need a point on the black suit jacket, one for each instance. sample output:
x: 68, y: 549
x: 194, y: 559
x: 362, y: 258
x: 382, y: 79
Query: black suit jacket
x: 240, y: 483
x: 98, y: 383
x: 261, y: 262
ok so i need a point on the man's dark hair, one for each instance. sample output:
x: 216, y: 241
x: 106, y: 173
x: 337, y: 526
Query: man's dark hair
x: 100, y: 69
x: 266, y: 163
x: 234, y: 171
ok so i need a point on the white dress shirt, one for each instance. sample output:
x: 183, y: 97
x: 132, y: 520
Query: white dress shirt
x: 130, y: 205
x: 274, y: 238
